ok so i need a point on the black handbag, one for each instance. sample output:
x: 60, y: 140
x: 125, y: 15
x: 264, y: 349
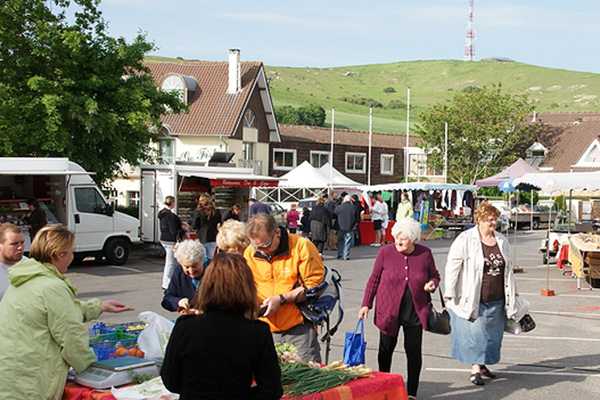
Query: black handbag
x: 438, y: 322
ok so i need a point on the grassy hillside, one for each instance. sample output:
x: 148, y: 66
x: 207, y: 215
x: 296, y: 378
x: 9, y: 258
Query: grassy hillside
x: 430, y: 82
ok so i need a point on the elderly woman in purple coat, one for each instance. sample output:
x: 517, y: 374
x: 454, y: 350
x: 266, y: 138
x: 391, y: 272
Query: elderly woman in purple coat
x: 403, y: 277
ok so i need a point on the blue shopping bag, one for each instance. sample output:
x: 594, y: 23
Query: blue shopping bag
x: 355, y: 345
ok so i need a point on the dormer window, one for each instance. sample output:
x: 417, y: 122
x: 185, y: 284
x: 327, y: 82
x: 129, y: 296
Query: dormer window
x: 181, y: 84
x: 591, y: 157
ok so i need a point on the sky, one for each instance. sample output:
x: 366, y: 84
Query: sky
x: 329, y: 33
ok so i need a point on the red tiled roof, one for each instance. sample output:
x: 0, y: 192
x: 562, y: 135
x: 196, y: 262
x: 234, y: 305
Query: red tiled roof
x: 312, y: 134
x: 212, y: 111
x: 568, y: 136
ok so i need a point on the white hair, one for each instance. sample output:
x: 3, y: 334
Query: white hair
x: 409, y: 227
x: 347, y: 199
x: 191, y: 251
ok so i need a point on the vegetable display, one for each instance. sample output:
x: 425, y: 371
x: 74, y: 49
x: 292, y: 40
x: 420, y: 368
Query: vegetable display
x: 300, y: 378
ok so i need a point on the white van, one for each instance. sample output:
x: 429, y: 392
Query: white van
x: 70, y: 197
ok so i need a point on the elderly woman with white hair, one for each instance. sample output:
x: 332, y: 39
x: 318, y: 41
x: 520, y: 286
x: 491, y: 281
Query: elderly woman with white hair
x: 403, y: 277
x: 190, y: 255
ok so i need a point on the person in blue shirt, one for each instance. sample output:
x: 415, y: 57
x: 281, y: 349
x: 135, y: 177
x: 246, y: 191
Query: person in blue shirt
x: 190, y: 255
x: 255, y: 207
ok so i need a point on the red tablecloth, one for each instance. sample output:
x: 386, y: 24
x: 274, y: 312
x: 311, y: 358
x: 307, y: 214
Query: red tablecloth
x: 563, y: 256
x: 381, y: 386
x: 367, y: 233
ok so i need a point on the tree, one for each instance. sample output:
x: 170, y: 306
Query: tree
x: 311, y: 114
x: 487, y: 130
x: 67, y: 89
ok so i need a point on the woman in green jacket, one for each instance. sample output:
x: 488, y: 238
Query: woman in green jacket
x: 42, y: 331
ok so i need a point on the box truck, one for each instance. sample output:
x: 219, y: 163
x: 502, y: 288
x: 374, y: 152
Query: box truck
x: 185, y: 181
x: 69, y: 196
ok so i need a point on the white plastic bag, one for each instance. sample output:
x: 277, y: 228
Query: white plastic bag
x: 153, y: 389
x: 154, y: 338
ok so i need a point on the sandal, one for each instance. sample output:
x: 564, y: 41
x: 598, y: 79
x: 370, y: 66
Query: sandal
x: 476, y: 379
x: 486, y: 372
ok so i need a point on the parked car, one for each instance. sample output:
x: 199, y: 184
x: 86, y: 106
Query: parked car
x: 277, y: 212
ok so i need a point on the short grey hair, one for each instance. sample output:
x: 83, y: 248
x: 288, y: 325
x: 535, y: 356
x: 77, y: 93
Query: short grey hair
x: 348, y: 199
x: 191, y: 251
x: 409, y: 227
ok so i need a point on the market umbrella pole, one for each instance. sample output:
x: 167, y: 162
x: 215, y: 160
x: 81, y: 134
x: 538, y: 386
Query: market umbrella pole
x: 548, y: 292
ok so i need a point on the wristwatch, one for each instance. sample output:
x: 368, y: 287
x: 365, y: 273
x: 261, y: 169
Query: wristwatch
x: 282, y: 300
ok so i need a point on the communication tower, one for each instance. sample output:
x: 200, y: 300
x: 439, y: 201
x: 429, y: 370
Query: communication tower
x: 469, y: 43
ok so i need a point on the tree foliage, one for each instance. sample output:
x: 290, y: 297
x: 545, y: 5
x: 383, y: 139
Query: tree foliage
x: 68, y: 89
x: 311, y: 114
x: 487, y: 131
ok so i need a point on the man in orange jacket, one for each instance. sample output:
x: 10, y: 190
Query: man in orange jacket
x: 284, y: 265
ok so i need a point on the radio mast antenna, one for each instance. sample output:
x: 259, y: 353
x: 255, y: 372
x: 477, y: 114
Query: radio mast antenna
x: 469, y: 43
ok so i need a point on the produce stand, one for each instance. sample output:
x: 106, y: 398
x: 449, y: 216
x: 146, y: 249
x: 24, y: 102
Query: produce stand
x: 379, y: 387
x: 584, y: 256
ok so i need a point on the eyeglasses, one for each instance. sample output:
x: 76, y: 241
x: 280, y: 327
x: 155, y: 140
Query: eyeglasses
x: 266, y: 246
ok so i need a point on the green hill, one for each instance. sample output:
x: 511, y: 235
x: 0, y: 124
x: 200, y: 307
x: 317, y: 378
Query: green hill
x: 553, y: 90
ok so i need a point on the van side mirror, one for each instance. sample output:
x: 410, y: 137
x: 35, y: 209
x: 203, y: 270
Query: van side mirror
x: 110, y: 209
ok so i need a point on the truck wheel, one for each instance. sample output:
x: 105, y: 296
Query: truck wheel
x: 117, y: 251
x: 536, y: 224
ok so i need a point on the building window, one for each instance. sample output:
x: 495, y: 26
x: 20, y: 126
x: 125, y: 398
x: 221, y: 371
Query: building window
x: 133, y: 198
x: 250, y: 119
x: 356, y: 162
x: 591, y: 157
x: 167, y: 149
x: 284, y: 159
x: 174, y: 83
x: 319, y: 158
x: 387, y: 164
x: 247, y: 151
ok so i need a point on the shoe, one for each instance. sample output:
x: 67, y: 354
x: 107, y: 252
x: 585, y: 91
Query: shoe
x: 339, y: 257
x: 372, y: 244
x: 486, y: 372
x: 476, y: 379
x: 376, y: 245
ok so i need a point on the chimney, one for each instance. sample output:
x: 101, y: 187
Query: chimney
x: 235, y: 71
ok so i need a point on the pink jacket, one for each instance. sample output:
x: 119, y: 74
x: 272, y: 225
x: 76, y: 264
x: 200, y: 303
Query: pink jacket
x: 292, y: 218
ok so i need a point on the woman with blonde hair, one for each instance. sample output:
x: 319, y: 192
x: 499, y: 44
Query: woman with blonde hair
x: 480, y: 292
x: 232, y: 237
x: 42, y: 331
x: 206, y: 221
x: 219, y: 352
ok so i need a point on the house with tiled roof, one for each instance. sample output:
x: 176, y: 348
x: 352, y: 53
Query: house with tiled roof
x: 230, y: 114
x: 351, y: 151
x: 567, y: 142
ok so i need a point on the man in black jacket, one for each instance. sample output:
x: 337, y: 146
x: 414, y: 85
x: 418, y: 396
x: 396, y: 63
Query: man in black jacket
x: 346, y: 220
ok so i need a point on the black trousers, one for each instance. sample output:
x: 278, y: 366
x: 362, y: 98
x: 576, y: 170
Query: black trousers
x: 413, y: 339
x: 319, y: 245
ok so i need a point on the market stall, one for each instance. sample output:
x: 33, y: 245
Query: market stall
x: 584, y: 257
x: 381, y: 386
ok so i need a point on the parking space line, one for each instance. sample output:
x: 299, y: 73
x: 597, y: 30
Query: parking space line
x: 127, y: 269
x: 570, y: 338
x: 503, y: 371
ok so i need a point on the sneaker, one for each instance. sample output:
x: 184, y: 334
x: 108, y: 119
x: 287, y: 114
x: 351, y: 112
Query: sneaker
x: 376, y: 245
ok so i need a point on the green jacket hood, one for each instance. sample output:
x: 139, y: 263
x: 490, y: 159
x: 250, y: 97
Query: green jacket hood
x: 26, y: 270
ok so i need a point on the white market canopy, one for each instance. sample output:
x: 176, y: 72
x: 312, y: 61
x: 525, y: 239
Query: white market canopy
x: 561, y: 181
x: 307, y: 176
x: 337, y: 178
x: 517, y: 169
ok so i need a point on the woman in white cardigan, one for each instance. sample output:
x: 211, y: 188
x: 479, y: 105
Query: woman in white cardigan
x: 480, y: 293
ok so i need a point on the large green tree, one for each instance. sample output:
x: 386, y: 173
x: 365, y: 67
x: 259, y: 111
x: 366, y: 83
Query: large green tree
x: 68, y: 89
x: 310, y: 114
x: 487, y: 130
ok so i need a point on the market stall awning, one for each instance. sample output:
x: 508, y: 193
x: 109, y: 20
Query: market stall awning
x: 416, y: 186
x: 304, y: 176
x: 337, y: 178
x: 517, y: 169
x: 560, y: 181
x: 233, y: 178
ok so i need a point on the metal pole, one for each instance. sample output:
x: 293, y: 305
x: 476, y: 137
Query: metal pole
x: 445, y: 152
x: 331, y: 151
x: 516, y: 228
x: 406, y: 161
x: 370, y: 141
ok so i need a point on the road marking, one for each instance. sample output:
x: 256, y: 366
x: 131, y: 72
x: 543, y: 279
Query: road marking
x: 590, y: 375
x: 552, y: 338
x: 126, y: 268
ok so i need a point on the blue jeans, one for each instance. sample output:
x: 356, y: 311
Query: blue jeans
x: 345, y: 241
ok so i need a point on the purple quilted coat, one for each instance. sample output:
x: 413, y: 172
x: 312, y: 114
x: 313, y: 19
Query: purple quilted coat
x: 391, y: 273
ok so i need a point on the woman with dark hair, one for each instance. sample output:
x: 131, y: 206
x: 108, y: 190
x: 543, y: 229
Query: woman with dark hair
x: 219, y: 352
x: 42, y: 331
x: 320, y: 221
x: 37, y: 219
x: 206, y: 224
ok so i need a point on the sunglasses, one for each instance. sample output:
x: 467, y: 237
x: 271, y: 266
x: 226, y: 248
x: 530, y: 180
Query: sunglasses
x: 266, y: 246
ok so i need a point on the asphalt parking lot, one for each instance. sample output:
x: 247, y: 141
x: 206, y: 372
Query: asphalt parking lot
x: 558, y: 359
